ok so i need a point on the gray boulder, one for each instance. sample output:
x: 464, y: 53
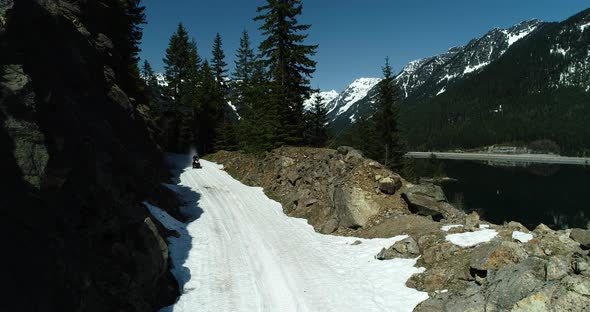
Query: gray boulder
x: 557, y: 267
x: 406, y: 248
x: 496, y: 255
x: 430, y: 200
x: 511, y: 284
x: 350, y: 152
x: 582, y: 237
x: 354, y: 206
x: 390, y: 185
x: 472, y: 221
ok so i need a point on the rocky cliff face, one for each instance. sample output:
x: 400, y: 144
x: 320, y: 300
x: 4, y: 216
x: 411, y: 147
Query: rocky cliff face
x: 77, y: 162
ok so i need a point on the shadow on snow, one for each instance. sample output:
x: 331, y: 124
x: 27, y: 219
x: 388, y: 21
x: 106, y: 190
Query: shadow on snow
x: 180, y: 246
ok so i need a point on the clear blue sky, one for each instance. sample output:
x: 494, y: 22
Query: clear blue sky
x: 354, y: 36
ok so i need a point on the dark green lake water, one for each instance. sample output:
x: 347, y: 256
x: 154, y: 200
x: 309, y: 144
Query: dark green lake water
x: 557, y: 195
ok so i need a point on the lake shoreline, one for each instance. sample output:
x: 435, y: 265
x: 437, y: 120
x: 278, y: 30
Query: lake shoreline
x: 511, y: 158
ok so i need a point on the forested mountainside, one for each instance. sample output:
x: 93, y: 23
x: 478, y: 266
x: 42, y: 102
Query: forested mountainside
x: 446, y: 68
x: 77, y: 162
x: 513, y: 85
x: 537, y: 90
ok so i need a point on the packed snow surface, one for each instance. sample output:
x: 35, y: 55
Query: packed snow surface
x: 521, y: 236
x: 469, y: 239
x: 242, y: 253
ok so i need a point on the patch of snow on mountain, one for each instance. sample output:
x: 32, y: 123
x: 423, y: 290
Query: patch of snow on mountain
x: 356, y: 92
x: 448, y: 77
x: 327, y: 97
x: 470, y: 69
x: 584, y: 26
x: 161, y: 78
x: 559, y: 50
x: 441, y: 91
x: 514, y: 37
x: 233, y: 107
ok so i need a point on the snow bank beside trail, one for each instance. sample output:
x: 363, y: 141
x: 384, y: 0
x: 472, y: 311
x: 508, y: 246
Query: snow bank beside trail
x: 521, y: 236
x: 469, y: 239
x: 243, y: 253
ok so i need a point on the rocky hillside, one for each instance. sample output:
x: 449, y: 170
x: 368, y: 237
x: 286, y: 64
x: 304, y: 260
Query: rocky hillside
x: 77, y: 163
x: 471, y: 265
x: 336, y: 191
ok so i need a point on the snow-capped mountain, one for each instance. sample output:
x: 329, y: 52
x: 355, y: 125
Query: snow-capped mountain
x: 347, y: 100
x: 327, y: 97
x: 438, y: 71
x: 417, y: 72
x: 570, y: 48
x: 161, y: 78
x: 431, y: 76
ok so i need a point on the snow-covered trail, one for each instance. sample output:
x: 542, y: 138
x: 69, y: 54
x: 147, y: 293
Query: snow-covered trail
x: 244, y: 254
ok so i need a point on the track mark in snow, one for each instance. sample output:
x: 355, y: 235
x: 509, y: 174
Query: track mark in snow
x: 246, y: 255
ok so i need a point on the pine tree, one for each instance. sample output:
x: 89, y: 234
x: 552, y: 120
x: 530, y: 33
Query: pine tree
x: 386, y: 120
x: 193, y: 77
x: 210, y: 109
x: 218, y: 62
x: 244, y: 60
x: 317, y: 123
x: 177, y: 63
x: 182, y: 66
x: 149, y: 76
x: 242, y: 76
x: 258, y: 126
x: 288, y: 59
x: 125, y: 31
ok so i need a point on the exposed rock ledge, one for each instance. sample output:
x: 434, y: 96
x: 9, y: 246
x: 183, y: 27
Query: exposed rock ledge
x: 342, y: 193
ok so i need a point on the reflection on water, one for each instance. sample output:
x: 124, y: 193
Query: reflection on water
x: 555, y: 195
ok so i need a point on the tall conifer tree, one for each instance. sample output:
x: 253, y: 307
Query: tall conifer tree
x: 288, y: 60
x: 386, y: 120
x: 218, y: 63
x: 317, y: 123
x: 177, y: 62
x: 148, y: 75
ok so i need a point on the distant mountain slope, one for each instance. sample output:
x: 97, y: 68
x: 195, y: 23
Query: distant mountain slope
x: 327, y: 97
x: 431, y: 76
x: 527, y: 82
x: 538, y: 89
x: 346, y: 101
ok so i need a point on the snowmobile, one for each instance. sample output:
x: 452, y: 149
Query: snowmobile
x: 196, y: 163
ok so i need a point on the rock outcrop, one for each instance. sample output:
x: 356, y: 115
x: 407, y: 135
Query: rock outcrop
x: 77, y: 162
x: 335, y: 190
x: 343, y: 193
x: 547, y: 273
x: 406, y: 248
